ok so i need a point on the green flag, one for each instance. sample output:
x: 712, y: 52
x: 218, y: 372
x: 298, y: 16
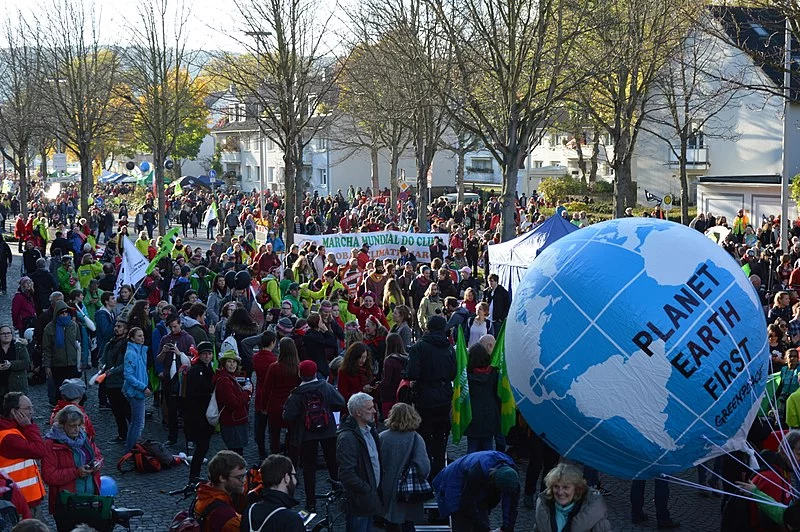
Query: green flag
x: 167, y: 245
x: 508, y: 406
x: 178, y: 188
x: 461, y: 412
x: 746, y: 269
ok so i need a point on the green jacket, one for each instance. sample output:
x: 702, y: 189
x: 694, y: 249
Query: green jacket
x: 297, y: 307
x: 52, y: 356
x: 87, y: 272
x: 274, y: 293
x: 92, y: 308
x: 65, y: 280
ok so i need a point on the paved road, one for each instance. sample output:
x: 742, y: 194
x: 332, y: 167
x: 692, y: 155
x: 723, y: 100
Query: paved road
x: 148, y: 491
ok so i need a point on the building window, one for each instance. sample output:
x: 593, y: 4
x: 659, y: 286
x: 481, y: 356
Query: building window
x: 483, y: 165
x: 249, y: 173
x: 555, y: 163
x: 254, y: 144
x: 323, y: 176
x: 696, y: 140
x: 271, y: 174
x: 538, y: 164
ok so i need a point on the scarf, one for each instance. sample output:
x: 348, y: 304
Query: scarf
x: 562, y: 515
x: 62, y: 322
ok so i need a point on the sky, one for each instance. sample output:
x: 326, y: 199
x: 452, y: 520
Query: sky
x: 212, y: 24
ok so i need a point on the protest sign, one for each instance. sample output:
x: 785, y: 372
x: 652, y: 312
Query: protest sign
x: 382, y: 245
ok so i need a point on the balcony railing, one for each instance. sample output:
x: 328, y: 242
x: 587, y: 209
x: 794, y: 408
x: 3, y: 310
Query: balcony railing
x: 696, y: 158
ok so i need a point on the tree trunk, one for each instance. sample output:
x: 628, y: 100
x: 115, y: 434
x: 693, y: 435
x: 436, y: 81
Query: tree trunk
x: 43, y: 166
x: 22, y: 171
x: 460, y: 171
x: 684, y: 185
x: 177, y: 171
x: 509, y: 195
x: 595, y: 156
x: 394, y: 155
x: 579, y: 151
x: 374, y: 178
x: 289, y: 205
x: 87, y: 180
x: 622, y: 177
x: 422, y: 180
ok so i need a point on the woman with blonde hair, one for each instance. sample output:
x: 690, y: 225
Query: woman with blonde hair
x: 567, y: 503
x: 401, y: 447
x: 392, y: 297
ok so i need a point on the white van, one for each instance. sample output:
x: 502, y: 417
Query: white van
x: 469, y: 197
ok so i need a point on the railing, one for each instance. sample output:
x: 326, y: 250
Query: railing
x: 695, y: 158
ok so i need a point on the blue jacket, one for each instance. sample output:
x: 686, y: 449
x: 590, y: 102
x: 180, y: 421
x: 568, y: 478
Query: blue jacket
x: 464, y: 485
x: 135, y: 371
x: 104, y: 322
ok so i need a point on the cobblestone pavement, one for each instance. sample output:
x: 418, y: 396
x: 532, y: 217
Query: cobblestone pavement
x: 149, y: 491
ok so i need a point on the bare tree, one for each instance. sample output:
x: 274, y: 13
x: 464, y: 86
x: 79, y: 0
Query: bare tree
x: 20, y: 100
x: 631, y: 43
x: 401, y: 37
x: 688, y: 96
x: 161, y: 90
x: 460, y: 141
x: 82, y: 72
x: 288, y: 74
x: 508, y: 74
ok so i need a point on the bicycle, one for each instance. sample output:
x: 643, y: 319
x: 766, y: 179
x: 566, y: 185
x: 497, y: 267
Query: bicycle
x: 119, y: 516
x: 122, y: 517
x: 330, y: 499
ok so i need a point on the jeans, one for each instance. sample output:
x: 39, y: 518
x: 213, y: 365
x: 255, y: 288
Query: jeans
x: 121, y: 409
x: 358, y: 523
x: 435, y: 429
x: 661, y: 498
x: 479, y: 444
x: 137, y: 422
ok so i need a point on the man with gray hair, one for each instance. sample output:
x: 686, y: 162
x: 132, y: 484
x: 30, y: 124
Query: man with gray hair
x: 357, y: 451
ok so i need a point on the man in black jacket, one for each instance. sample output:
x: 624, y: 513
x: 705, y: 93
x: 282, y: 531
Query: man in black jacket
x: 432, y: 367
x: 43, y: 285
x: 499, y: 303
x: 309, y: 411
x: 358, y: 454
x: 272, y: 512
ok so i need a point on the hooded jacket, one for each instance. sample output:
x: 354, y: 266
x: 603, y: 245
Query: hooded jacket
x: 195, y: 330
x: 317, y: 343
x: 432, y: 364
x: 55, y: 357
x: 355, y: 469
x: 232, y: 398
x: 223, y: 518
x: 294, y: 410
x: 136, y: 380
x: 588, y: 515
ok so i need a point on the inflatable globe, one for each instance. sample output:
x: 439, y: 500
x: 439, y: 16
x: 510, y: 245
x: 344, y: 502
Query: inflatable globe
x: 637, y: 346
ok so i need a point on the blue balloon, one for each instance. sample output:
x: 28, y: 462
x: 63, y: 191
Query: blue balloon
x: 637, y: 346
x: 145, y: 166
x: 108, y: 486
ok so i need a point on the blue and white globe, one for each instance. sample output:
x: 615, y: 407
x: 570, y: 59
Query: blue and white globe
x: 637, y: 346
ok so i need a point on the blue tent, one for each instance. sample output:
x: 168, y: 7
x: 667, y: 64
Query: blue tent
x: 510, y: 260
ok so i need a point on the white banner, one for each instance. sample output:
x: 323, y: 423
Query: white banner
x: 134, y: 266
x: 382, y: 245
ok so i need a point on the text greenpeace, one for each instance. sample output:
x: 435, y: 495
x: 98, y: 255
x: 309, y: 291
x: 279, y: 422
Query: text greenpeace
x: 384, y: 244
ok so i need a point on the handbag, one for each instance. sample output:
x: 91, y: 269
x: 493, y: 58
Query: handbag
x: 413, y: 487
x: 213, y: 411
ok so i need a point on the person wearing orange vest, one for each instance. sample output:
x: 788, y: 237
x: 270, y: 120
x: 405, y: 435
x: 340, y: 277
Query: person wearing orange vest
x: 21, y: 445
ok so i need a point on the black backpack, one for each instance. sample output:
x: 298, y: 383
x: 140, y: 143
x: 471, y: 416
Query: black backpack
x: 317, y: 415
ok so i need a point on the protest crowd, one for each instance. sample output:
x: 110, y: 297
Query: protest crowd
x: 298, y: 350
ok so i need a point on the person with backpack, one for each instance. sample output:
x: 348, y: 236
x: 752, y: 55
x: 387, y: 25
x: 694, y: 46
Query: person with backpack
x: 199, y: 387
x: 309, y: 411
x: 233, y: 399
x: 214, y: 507
x: 273, y: 512
x: 282, y: 378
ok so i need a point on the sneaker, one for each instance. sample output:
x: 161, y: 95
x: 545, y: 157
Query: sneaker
x: 118, y: 439
x: 668, y: 525
x: 170, y: 443
x: 105, y: 406
x: 190, y: 446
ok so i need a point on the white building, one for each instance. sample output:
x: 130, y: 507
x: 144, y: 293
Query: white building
x: 735, y: 160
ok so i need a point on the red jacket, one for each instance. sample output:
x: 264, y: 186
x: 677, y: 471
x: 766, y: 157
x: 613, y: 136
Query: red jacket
x: 31, y: 446
x: 362, y: 313
x: 262, y: 360
x: 59, y: 470
x: 349, y: 386
x: 231, y: 396
x: 22, y: 306
x: 277, y: 389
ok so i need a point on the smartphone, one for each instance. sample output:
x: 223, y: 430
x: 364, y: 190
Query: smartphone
x: 97, y: 463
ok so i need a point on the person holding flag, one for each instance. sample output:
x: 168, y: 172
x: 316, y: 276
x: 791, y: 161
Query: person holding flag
x: 432, y: 369
x: 210, y: 220
x: 508, y: 406
x: 484, y: 401
x: 461, y: 406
